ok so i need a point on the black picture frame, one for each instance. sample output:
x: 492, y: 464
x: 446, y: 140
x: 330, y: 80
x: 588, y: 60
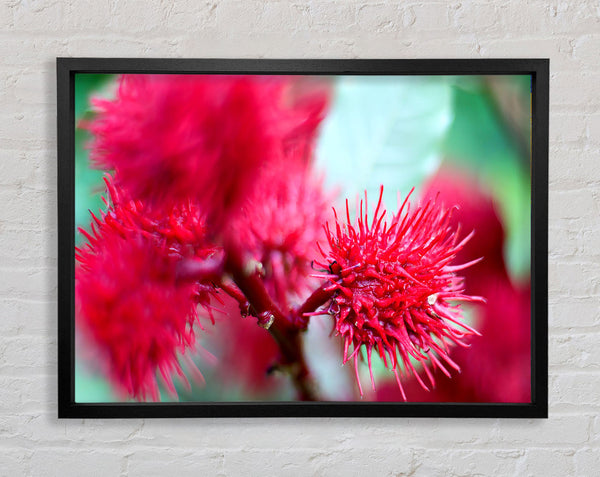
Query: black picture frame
x: 67, y: 68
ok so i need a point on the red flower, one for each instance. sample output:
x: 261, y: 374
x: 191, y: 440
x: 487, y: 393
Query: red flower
x: 280, y: 226
x: 181, y: 228
x: 395, y: 288
x: 199, y: 137
x: 134, y: 310
x: 132, y: 303
x: 497, y: 366
x: 476, y: 210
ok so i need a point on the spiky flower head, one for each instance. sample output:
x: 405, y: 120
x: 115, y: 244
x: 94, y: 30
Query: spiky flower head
x: 395, y: 291
x: 133, y: 306
x: 172, y: 138
x: 280, y: 226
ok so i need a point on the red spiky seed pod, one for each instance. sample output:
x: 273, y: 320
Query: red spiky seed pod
x: 132, y: 304
x: 133, y: 309
x: 395, y: 290
x: 281, y: 223
x: 173, y: 138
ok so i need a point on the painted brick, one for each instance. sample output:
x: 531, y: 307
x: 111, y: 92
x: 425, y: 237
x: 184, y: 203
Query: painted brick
x: 578, y: 279
x: 587, y: 461
x: 34, y: 33
x: 585, y: 48
x: 574, y: 312
x: 575, y: 166
x: 548, y: 462
x: 192, y: 462
x: 467, y: 462
x: 44, y: 15
x: 380, y: 17
x: 15, y: 462
x: 575, y: 389
x: 90, y: 462
x: 431, y: 16
x: 575, y: 351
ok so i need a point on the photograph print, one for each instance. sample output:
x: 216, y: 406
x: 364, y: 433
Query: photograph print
x: 287, y: 238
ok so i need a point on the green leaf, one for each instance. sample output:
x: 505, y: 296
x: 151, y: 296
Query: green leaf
x: 87, y: 85
x: 88, y: 181
x: 479, y: 142
x: 384, y: 130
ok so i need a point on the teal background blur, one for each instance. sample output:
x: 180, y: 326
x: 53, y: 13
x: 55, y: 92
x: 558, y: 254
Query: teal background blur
x: 395, y: 131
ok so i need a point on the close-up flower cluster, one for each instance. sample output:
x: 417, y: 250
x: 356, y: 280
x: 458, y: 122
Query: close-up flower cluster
x: 220, y: 253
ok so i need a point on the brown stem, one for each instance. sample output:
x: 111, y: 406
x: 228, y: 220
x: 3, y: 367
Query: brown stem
x: 318, y: 298
x: 249, y: 282
x: 287, y: 336
x: 234, y: 292
x: 290, y: 344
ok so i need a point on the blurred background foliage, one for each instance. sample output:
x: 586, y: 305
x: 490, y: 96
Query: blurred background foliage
x: 88, y: 181
x: 392, y: 130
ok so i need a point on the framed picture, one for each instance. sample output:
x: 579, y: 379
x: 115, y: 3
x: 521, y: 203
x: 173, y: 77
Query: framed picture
x: 302, y: 237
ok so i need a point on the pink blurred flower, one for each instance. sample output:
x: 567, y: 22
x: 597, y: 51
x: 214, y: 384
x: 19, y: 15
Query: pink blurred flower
x: 195, y: 137
x: 394, y: 288
x: 132, y: 305
x: 188, y: 153
x: 134, y: 310
x: 280, y: 226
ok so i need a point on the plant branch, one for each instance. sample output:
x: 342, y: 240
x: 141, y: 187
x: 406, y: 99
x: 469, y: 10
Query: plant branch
x: 318, y: 298
x: 233, y: 291
x: 247, y: 277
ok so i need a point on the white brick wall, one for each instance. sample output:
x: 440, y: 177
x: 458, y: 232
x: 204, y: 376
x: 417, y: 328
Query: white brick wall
x: 34, y: 442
